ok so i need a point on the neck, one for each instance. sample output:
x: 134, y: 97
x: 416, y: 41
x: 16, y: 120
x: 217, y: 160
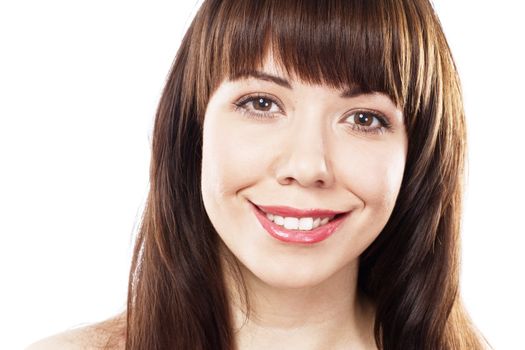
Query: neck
x: 331, y: 314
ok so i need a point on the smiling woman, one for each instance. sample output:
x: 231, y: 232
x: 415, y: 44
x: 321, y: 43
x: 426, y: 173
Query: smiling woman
x: 302, y: 152
x: 306, y: 185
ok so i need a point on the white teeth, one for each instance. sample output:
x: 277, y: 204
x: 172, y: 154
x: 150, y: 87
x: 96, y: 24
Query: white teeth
x: 304, y: 224
x: 291, y: 223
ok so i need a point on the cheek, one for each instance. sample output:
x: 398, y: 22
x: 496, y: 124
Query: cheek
x: 231, y: 160
x: 373, y: 173
x: 371, y: 176
x: 235, y: 158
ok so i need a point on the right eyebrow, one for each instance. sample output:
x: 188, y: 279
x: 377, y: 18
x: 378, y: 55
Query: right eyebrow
x: 353, y: 91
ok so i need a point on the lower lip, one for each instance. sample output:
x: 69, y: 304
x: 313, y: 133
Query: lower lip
x: 298, y: 236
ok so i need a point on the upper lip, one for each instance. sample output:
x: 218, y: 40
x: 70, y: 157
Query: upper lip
x: 283, y: 210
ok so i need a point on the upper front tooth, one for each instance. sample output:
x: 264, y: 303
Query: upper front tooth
x: 291, y: 223
x: 306, y: 223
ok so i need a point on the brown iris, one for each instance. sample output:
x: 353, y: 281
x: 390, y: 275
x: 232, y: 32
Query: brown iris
x: 364, y: 118
x: 262, y: 104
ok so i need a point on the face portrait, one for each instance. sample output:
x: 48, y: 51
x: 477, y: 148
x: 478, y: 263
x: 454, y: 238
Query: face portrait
x: 270, y: 144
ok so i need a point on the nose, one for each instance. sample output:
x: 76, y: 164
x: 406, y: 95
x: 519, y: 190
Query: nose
x: 304, y: 157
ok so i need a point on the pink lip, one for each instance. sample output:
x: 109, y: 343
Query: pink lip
x: 298, y: 236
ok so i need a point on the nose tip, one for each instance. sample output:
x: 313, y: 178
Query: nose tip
x: 306, y: 177
x: 306, y: 163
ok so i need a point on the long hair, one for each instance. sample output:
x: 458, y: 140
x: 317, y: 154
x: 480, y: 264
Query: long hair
x: 177, y: 296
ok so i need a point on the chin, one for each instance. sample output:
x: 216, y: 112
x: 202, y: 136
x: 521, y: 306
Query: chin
x: 290, y: 276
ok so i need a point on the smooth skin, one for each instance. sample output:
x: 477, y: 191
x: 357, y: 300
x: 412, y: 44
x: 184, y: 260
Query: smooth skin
x: 90, y: 337
x: 308, y: 148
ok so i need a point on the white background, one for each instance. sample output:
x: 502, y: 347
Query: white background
x: 79, y: 84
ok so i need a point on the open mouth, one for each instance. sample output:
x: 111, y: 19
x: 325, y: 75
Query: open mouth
x: 311, y: 229
x: 300, y: 223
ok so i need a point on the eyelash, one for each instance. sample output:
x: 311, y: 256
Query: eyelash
x: 241, y: 107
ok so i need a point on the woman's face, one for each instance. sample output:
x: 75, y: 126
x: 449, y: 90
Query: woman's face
x: 270, y: 144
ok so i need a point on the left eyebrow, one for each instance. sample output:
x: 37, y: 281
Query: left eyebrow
x: 349, y: 93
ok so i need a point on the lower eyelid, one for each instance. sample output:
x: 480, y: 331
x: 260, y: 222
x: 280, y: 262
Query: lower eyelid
x: 365, y: 130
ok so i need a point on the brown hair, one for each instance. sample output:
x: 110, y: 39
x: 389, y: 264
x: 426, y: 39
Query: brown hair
x: 177, y: 296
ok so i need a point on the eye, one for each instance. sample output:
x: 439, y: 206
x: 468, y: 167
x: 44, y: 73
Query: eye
x: 367, y: 121
x: 258, y: 106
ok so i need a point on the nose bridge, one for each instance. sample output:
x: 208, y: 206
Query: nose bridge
x: 306, y: 157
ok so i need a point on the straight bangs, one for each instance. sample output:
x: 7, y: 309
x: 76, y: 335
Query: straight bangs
x: 377, y: 46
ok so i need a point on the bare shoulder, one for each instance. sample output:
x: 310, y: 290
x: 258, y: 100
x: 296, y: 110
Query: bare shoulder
x: 78, y: 338
x: 105, y: 335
